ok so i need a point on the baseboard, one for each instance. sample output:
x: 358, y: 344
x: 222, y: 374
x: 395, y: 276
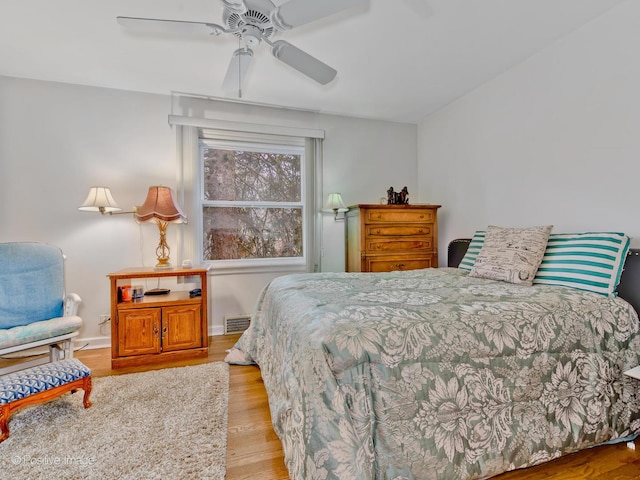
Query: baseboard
x: 78, y: 344
x: 91, y: 343
x: 215, y: 330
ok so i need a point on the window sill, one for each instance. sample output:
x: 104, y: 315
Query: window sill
x: 223, y: 268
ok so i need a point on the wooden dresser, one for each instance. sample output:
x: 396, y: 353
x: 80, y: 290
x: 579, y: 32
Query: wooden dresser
x: 382, y: 238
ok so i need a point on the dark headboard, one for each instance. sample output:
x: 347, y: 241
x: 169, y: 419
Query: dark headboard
x: 629, y: 287
x: 456, y: 250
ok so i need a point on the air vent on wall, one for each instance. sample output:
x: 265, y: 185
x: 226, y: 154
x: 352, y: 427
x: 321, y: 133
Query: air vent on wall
x: 236, y: 323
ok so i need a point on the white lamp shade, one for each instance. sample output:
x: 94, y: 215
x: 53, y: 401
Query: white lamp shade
x: 335, y: 204
x: 99, y: 200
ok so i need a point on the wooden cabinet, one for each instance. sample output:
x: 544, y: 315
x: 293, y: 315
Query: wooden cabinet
x: 382, y: 238
x: 157, y: 328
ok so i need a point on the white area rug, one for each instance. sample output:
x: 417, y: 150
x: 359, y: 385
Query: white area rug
x: 161, y: 424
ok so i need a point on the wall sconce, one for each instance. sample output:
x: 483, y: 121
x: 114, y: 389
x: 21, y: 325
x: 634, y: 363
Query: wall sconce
x: 161, y: 206
x: 101, y: 200
x: 336, y: 205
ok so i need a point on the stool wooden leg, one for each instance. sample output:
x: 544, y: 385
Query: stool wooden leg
x: 87, y: 386
x: 4, y: 422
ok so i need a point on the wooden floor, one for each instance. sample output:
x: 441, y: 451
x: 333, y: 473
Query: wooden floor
x: 254, y: 451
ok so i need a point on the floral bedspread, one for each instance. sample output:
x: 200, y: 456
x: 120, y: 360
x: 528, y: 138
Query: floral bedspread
x: 431, y: 374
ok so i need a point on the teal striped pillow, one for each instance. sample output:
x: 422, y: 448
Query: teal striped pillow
x: 587, y: 261
x: 590, y: 261
x: 469, y: 259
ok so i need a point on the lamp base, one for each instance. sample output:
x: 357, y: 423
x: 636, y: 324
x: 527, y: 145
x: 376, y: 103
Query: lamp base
x: 163, y: 263
x: 162, y: 251
x: 163, y: 267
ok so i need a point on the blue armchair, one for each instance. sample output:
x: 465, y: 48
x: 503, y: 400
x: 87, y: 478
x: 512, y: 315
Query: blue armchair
x: 34, y: 310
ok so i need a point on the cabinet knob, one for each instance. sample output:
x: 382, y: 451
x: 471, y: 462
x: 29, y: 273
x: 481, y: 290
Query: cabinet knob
x: 421, y: 231
x: 155, y: 330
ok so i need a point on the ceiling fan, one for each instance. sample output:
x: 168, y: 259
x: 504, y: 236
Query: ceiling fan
x: 254, y: 22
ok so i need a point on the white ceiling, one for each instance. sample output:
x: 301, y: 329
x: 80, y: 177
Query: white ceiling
x: 397, y: 60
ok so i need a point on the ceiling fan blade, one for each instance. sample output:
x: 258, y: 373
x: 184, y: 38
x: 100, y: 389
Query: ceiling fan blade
x: 236, y: 6
x: 298, y: 12
x: 303, y: 62
x: 237, y: 70
x: 158, y: 25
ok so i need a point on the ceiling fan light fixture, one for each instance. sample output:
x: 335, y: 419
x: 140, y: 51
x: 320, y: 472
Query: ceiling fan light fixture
x: 251, y: 36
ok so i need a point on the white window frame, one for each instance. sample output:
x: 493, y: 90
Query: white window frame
x: 255, y: 143
x: 189, y: 131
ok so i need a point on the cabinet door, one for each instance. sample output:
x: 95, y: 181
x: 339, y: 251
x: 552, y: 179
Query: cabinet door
x: 138, y: 331
x: 181, y: 327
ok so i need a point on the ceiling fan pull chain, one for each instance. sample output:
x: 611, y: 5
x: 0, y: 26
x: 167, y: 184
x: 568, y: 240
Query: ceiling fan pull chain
x: 240, y: 69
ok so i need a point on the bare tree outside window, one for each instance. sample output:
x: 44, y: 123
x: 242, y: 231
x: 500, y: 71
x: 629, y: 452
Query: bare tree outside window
x: 252, y: 204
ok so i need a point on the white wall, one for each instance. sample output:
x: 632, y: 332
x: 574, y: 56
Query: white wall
x: 362, y: 159
x: 56, y: 140
x: 553, y: 141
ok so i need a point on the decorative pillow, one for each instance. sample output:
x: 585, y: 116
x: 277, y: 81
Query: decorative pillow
x: 475, y: 245
x: 590, y: 261
x: 511, y: 254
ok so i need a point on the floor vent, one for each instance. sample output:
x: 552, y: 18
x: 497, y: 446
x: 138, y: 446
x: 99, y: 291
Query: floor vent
x: 236, y: 323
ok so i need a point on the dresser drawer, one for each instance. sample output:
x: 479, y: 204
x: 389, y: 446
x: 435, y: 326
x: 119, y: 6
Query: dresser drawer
x: 399, y: 216
x: 398, y: 230
x: 386, y: 245
x: 382, y: 264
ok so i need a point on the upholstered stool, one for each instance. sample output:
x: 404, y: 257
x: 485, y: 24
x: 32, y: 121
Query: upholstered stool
x: 41, y: 384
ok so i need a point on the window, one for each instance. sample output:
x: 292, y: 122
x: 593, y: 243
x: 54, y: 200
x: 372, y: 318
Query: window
x: 253, y: 202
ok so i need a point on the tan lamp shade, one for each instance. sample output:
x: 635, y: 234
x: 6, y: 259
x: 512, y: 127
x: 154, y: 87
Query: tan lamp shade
x: 160, y: 204
x: 100, y: 200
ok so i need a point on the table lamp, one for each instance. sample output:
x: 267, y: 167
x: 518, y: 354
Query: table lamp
x: 161, y: 206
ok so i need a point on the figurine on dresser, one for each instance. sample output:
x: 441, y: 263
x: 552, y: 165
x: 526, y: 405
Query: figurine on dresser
x: 398, y: 198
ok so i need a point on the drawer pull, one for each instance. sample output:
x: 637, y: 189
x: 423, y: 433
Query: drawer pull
x: 421, y: 231
x: 400, y: 265
x: 378, y: 231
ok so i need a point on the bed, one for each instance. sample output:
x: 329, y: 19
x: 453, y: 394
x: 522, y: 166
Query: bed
x: 434, y: 374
